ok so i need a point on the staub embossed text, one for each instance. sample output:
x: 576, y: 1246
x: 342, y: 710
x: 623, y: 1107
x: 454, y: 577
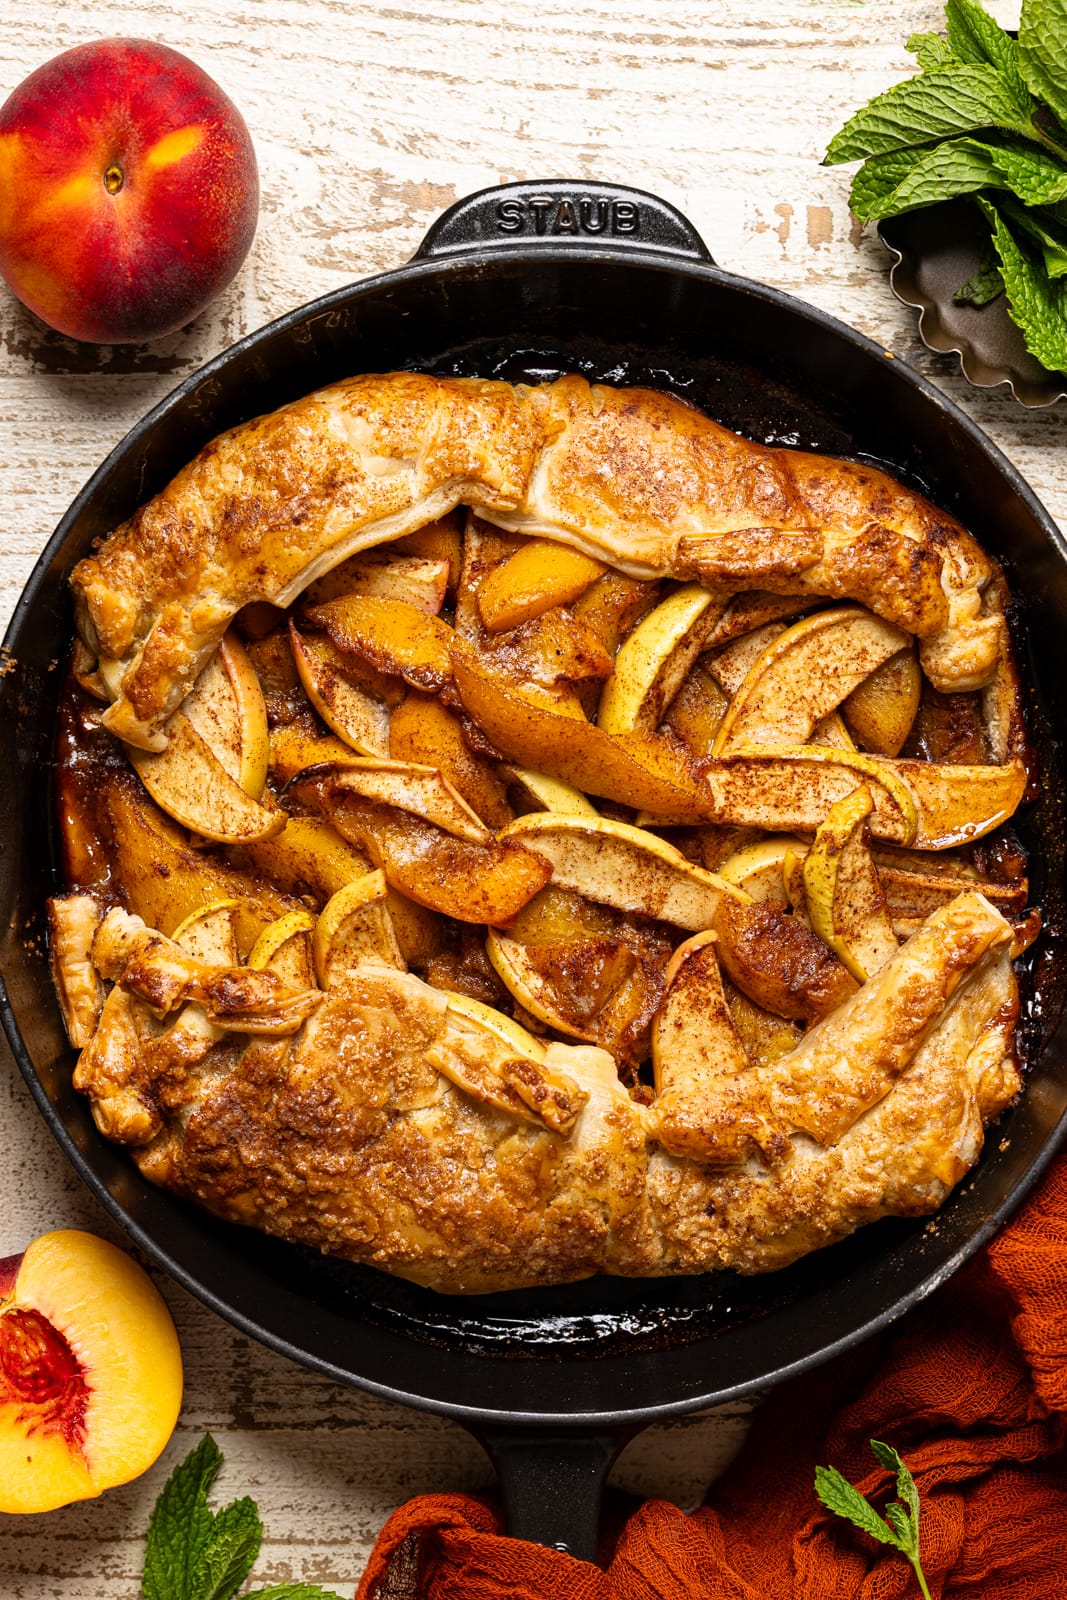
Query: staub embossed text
x: 551, y: 214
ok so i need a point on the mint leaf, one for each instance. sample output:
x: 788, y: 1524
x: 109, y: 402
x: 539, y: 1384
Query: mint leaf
x: 984, y: 287
x: 975, y: 37
x: 838, y: 1496
x: 1043, y: 52
x: 931, y: 51
x: 226, y: 1560
x: 1048, y: 236
x: 898, y: 1520
x: 1037, y: 306
x: 935, y: 105
x: 292, y: 1591
x: 180, y: 1525
x: 904, y: 180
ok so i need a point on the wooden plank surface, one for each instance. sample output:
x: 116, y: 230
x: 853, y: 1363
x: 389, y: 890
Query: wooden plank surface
x: 370, y: 116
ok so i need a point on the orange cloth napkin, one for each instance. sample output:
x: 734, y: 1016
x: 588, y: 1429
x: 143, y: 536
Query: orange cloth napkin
x: 973, y: 1392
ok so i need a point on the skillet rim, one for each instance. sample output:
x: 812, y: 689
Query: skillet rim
x: 529, y: 256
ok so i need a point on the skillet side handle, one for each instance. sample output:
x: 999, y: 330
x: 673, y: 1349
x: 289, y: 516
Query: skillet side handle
x: 562, y: 211
x: 552, y: 1485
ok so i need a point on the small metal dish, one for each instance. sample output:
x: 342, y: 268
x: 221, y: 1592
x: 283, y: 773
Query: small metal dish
x: 936, y: 250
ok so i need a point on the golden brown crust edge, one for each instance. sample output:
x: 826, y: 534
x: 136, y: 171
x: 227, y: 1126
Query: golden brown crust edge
x: 632, y: 476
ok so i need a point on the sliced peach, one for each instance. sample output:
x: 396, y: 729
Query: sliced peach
x: 356, y: 716
x: 636, y: 771
x: 90, y: 1372
x: 392, y: 636
x: 294, y: 747
x: 418, y: 581
x: 228, y: 711
x: 804, y: 673
x: 437, y: 541
x: 956, y: 803
x: 540, y: 575
x: 696, y: 712
x: 485, y: 881
x: 777, y: 962
x: 614, y: 605
x: 424, y: 731
x: 552, y: 651
x: 881, y: 710
x: 354, y: 926
x: 191, y: 785
x: 654, y: 659
x: 419, y: 789
x: 622, y: 866
x: 164, y: 881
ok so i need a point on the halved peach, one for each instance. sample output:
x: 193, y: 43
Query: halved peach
x: 356, y: 716
x: 190, y: 784
x: 539, y: 576
x: 90, y: 1372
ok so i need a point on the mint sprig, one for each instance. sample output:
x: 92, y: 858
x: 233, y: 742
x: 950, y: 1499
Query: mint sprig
x: 985, y: 119
x: 900, y: 1525
x: 193, y: 1553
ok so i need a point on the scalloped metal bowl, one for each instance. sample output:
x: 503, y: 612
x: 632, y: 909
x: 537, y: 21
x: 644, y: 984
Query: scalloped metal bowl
x: 936, y: 250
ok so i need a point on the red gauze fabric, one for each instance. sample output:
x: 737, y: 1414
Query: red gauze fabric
x: 972, y: 1391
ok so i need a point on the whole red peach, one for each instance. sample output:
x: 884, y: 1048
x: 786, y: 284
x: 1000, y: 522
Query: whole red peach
x: 128, y: 191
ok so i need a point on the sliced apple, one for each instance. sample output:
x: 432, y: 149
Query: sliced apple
x: 622, y: 866
x: 794, y: 787
x: 655, y: 658
x: 497, y: 1062
x: 425, y: 732
x: 645, y: 773
x: 832, y: 732
x: 571, y: 1004
x: 391, y: 636
x: 758, y: 868
x: 539, y: 576
x: 803, y: 674
x: 163, y: 880
x: 472, y: 879
x: 359, y: 718
x: 844, y: 894
x: 210, y: 934
x: 228, y: 711
x: 285, y: 948
x: 92, y: 1372
x: 880, y: 711
x: 354, y: 926
x: 419, y: 581
x: 422, y: 790
x: 777, y: 962
x: 541, y: 793
x: 556, y: 915
x: 694, y: 1047
x: 730, y: 666
x: 191, y: 785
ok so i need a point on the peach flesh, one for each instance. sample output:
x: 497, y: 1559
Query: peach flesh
x: 90, y: 1372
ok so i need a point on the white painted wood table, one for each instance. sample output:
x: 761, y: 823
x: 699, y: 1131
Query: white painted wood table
x: 370, y: 116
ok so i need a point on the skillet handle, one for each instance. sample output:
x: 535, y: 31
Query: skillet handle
x: 562, y: 211
x: 552, y: 1484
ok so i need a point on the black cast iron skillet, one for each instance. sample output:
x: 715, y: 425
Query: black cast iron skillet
x: 525, y: 282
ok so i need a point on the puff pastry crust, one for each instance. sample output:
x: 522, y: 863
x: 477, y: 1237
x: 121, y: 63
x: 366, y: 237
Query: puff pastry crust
x: 388, y: 1121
